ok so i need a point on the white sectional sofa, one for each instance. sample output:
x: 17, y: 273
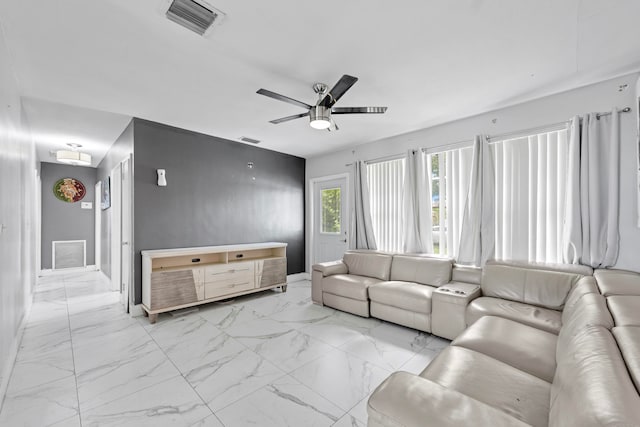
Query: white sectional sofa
x: 396, y: 288
x: 533, y: 345
x: 545, y: 346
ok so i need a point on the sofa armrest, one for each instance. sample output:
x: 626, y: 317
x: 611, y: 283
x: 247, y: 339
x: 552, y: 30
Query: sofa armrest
x: 331, y: 268
x: 406, y: 400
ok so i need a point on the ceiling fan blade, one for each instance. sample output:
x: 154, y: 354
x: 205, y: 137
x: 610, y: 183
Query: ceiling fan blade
x: 279, y: 97
x: 338, y: 90
x: 286, y: 119
x: 358, y: 110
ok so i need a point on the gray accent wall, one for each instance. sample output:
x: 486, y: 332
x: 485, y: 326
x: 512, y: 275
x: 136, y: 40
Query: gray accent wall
x: 63, y: 220
x: 121, y: 149
x: 212, y: 197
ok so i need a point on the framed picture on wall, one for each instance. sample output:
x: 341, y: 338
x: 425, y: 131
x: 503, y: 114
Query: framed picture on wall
x: 106, y: 193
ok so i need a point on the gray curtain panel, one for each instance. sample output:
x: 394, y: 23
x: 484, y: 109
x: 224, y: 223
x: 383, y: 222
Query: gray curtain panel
x: 361, y: 236
x: 417, y: 224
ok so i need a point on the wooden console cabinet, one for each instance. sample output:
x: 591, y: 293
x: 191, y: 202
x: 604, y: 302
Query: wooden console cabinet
x: 184, y: 277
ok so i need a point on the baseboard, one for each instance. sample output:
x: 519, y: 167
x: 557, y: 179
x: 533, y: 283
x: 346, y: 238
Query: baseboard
x: 136, y: 310
x: 298, y: 277
x: 7, y: 369
x: 50, y: 272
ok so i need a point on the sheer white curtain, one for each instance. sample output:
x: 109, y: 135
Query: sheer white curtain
x: 477, y: 237
x: 386, y: 184
x: 451, y: 172
x: 362, y: 235
x: 591, y: 235
x: 417, y: 213
x: 530, y: 193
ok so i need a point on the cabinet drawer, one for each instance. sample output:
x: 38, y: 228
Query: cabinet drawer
x: 216, y: 272
x: 216, y: 289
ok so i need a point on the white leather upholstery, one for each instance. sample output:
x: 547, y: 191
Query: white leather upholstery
x: 628, y: 339
x: 331, y: 267
x: 353, y: 306
x: 512, y: 343
x: 540, y: 287
x: 507, y: 362
x: 466, y: 274
x: 410, y: 319
x: 421, y: 269
x: 405, y: 295
x: 617, y: 282
x: 408, y: 400
x: 625, y: 309
x: 592, y: 385
x: 541, y: 318
x: 373, y: 264
x: 481, y: 377
x: 348, y: 285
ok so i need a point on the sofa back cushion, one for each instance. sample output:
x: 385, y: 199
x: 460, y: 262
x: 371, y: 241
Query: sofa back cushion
x: 618, y: 282
x: 586, y: 285
x: 528, y: 284
x: 421, y: 269
x: 591, y: 386
x: 369, y: 264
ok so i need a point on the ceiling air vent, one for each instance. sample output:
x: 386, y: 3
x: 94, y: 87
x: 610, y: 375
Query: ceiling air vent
x: 249, y: 140
x: 196, y: 16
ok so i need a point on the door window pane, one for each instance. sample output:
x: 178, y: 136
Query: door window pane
x: 331, y: 210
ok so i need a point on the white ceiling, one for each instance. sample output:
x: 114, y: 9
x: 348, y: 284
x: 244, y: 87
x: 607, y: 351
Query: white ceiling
x: 428, y: 61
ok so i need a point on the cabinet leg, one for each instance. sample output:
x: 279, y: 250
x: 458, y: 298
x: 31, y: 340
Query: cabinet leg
x: 153, y: 318
x: 284, y: 288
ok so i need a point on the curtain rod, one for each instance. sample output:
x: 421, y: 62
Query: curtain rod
x: 546, y: 128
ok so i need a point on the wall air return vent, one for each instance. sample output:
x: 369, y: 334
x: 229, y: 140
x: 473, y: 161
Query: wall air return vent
x: 197, y: 16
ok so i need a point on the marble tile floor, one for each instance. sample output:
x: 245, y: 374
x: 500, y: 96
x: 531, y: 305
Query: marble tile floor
x: 268, y: 359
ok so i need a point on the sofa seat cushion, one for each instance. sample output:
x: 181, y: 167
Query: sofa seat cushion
x: 628, y: 339
x: 481, y: 377
x: 617, y: 282
x: 625, y: 309
x: 538, y: 317
x: 407, y: 400
x: 348, y: 285
x: 529, y: 349
x: 405, y: 295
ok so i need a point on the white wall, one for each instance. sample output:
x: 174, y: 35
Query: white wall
x: 17, y: 217
x: 549, y: 110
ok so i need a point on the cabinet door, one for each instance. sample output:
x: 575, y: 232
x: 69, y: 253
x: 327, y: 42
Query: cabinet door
x: 273, y: 272
x: 172, y: 288
x: 198, y: 277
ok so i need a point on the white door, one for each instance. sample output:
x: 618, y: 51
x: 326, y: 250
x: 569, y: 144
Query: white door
x: 126, y: 255
x: 330, y: 219
x: 98, y: 225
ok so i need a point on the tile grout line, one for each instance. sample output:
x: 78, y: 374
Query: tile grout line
x: 182, y: 375
x: 75, y: 373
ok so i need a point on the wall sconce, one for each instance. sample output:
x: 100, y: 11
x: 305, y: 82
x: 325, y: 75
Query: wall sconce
x: 162, y: 178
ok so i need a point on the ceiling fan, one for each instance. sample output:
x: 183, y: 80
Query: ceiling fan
x: 320, y: 113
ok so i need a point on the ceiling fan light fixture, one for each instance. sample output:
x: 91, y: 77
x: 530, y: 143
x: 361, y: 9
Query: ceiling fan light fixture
x: 320, y: 117
x: 75, y: 158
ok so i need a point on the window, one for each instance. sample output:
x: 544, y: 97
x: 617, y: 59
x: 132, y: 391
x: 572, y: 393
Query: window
x: 530, y: 191
x: 331, y: 210
x: 386, y: 183
x: 449, y: 187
